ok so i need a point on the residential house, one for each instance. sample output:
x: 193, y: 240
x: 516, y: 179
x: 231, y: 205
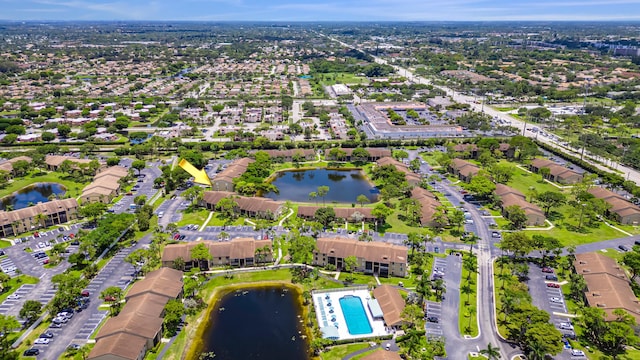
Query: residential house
x: 512, y: 197
x: 288, y: 155
x: 622, y: 210
x: 607, y: 284
x: 382, y: 354
x: 8, y: 165
x: 412, y: 178
x: 239, y: 252
x: 224, y: 180
x: 53, y: 162
x: 428, y: 205
x: 378, y: 258
x: 38, y: 216
x: 391, y: 303
x: 463, y: 169
x: 247, y: 206
x: 557, y: 173
x: 105, y: 185
x: 138, y: 327
x: 374, y: 154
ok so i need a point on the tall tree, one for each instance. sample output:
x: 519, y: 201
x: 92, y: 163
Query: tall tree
x: 31, y: 310
x: 200, y: 253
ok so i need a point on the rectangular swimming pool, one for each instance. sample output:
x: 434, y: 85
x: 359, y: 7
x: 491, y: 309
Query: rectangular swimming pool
x: 354, y: 315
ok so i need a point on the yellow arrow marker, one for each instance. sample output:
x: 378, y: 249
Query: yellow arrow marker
x: 200, y: 176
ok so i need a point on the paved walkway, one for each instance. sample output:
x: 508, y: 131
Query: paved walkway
x: 206, y: 221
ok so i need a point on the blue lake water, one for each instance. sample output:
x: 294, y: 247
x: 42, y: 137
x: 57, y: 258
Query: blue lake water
x: 344, y: 186
x: 32, y: 194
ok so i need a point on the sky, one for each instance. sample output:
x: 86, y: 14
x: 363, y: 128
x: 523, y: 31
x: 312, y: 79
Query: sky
x: 322, y: 10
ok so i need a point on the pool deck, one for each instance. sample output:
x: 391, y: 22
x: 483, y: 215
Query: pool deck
x: 320, y: 302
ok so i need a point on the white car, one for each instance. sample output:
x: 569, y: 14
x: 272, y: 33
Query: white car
x: 556, y: 300
x: 576, y: 352
x: 566, y: 326
x: 14, y: 297
x: 41, y: 341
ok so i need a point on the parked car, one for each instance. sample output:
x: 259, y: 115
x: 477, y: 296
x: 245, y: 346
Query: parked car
x: 42, y: 341
x: 551, y: 278
x: 624, y: 248
x: 547, y: 270
x: 14, y: 297
x: 31, y: 352
x: 556, y: 300
x: 432, y: 319
x: 566, y: 326
x: 46, y: 335
x: 85, y: 293
x: 553, y: 285
x: 576, y: 352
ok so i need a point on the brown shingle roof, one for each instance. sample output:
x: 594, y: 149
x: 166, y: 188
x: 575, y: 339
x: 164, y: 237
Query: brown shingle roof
x: 290, y: 153
x: 131, y: 323
x: 556, y: 170
x: 50, y: 207
x: 165, y: 282
x: 123, y: 345
x: 251, y: 204
x: 369, y: 251
x: 607, y: 284
x: 596, y: 263
x: 513, y: 199
x: 381, y: 354
x: 238, y: 248
x: 391, y: 304
x: 118, y: 171
x: 619, y: 205
x: 234, y: 170
x: 56, y: 160
x: 428, y: 204
x: 147, y: 304
x: 8, y: 165
x: 502, y: 190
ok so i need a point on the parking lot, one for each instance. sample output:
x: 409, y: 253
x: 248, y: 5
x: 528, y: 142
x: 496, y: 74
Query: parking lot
x: 433, y: 309
x: 547, y: 295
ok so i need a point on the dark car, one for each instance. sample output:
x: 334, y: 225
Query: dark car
x: 31, y: 352
x: 551, y: 278
x: 75, y: 242
x: 432, y: 319
x: 547, y: 270
x: 85, y: 293
x: 624, y: 248
x: 46, y: 335
x: 182, y: 237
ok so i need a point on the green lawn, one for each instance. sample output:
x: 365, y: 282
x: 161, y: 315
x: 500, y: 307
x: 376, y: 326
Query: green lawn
x: 394, y: 224
x: 4, y: 244
x: 339, y: 351
x: 431, y: 157
x: 524, y: 181
x: 467, y: 320
x: 567, y: 238
x: 74, y: 189
x: 197, y: 216
x: 339, y: 78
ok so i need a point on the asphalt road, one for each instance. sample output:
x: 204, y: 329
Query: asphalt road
x: 78, y: 330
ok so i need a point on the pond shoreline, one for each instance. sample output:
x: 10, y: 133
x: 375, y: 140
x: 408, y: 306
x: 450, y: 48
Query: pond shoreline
x: 195, y: 339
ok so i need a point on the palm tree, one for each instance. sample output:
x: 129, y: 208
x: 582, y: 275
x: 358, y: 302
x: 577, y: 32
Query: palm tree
x: 492, y: 353
x: 472, y: 311
x: 40, y: 218
x: 466, y: 290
